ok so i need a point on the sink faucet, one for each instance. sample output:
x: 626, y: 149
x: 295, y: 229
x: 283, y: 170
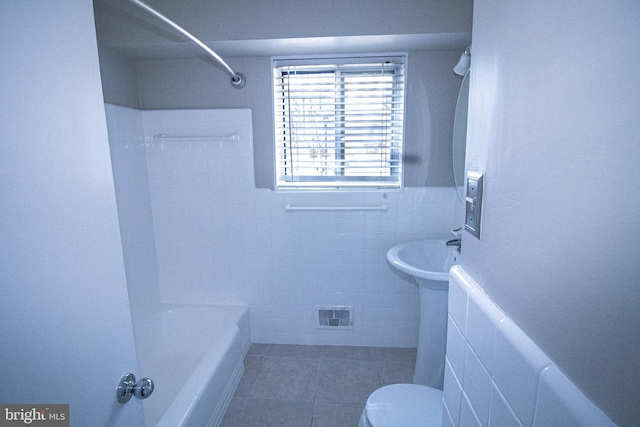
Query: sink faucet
x: 455, y: 242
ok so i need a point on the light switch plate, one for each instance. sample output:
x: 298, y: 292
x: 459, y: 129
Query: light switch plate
x: 473, y: 215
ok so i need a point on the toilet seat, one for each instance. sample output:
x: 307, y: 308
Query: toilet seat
x: 403, y: 405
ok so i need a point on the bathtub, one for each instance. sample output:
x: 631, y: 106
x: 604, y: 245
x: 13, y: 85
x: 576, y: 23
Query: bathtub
x: 194, y: 354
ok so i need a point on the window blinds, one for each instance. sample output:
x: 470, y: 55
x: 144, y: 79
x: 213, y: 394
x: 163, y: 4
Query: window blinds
x: 339, y: 122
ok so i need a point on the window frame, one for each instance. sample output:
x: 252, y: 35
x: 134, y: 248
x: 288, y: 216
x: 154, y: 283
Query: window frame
x: 345, y: 65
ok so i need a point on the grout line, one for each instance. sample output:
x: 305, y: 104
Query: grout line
x: 379, y: 357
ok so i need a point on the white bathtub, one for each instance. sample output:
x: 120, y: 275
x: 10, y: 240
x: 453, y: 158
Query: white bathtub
x: 194, y: 355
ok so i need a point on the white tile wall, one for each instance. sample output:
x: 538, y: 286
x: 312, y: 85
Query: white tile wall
x: 220, y: 240
x: 134, y: 208
x: 497, y: 376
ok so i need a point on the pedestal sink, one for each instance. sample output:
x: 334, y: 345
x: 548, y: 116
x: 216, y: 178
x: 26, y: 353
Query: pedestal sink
x: 427, y: 263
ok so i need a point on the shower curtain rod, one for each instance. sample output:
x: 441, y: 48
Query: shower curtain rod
x: 237, y: 80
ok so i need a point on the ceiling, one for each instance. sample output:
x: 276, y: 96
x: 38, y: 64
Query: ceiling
x: 298, y: 46
x: 141, y: 36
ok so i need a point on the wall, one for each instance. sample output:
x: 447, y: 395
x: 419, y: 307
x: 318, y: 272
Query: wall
x: 166, y: 80
x: 495, y: 375
x: 553, y: 124
x: 220, y: 240
x: 386, y: 306
x: 129, y: 164
x: 432, y: 90
x: 119, y: 82
x: 198, y: 261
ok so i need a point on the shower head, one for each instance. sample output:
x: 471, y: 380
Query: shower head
x: 464, y: 63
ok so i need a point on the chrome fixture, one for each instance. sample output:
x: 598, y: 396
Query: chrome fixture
x: 380, y: 207
x: 473, y: 210
x: 128, y: 387
x: 161, y: 137
x: 455, y: 242
x: 464, y: 63
x: 237, y: 80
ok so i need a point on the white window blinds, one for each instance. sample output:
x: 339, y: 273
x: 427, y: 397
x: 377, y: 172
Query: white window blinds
x: 339, y: 122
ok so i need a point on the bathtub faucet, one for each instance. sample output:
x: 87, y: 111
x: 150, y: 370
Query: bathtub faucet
x: 455, y: 242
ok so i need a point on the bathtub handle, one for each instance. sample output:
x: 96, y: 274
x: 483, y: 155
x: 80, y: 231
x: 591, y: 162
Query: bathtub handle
x: 128, y: 387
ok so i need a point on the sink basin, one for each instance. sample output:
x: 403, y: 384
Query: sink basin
x: 427, y: 261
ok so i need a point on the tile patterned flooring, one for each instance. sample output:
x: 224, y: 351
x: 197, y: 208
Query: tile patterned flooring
x: 313, y: 386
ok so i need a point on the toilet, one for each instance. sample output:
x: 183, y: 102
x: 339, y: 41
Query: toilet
x: 403, y: 405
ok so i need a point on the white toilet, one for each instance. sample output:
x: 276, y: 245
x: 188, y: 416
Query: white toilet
x: 403, y: 405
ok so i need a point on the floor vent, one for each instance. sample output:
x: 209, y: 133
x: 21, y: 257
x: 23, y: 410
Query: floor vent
x: 335, y: 317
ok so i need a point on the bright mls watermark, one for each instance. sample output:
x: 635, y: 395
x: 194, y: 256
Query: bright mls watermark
x: 35, y: 415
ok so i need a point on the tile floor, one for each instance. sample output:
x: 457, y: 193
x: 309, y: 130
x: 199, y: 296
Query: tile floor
x: 313, y: 386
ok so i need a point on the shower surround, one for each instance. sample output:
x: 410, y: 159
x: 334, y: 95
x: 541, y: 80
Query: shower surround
x: 217, y: 239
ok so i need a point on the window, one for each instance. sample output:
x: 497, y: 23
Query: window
x: 339, y: 122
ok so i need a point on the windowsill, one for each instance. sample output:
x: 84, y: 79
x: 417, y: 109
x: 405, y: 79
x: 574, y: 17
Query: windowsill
x: 336, y: 190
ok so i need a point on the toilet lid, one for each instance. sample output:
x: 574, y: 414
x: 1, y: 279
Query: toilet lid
x: 405, y: 405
